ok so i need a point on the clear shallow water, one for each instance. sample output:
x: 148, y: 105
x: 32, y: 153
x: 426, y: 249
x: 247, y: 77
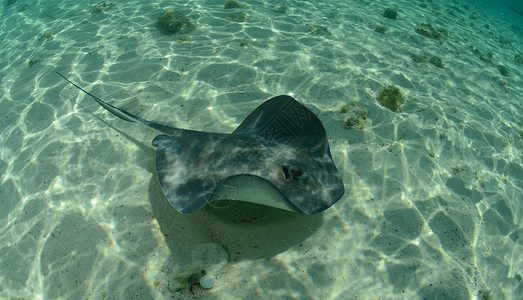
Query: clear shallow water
x: 433, y: 203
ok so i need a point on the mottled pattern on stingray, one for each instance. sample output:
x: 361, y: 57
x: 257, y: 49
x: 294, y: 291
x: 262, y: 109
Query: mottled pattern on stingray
x: 204, y: 160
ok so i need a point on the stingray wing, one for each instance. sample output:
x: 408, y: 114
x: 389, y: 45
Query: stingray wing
x: 286, y: 121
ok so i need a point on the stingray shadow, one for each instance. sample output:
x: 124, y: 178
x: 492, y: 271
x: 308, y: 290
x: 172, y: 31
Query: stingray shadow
x: 247, y: 231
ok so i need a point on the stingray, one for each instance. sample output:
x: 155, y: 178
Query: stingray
x: 278, y: 156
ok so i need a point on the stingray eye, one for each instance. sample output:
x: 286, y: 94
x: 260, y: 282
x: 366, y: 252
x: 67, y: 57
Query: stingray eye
x: 296, y: 172
x: 291, y: 172
x: 286, y: 172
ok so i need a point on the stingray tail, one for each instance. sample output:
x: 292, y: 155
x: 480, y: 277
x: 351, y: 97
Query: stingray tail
x: 122, y: 113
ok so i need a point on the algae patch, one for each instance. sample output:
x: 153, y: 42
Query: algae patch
x: 172, y: 21
x: 391, y: 97
x: 356, y: 115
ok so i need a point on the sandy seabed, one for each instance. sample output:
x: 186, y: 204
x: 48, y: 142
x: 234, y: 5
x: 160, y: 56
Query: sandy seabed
x: 433, y: 205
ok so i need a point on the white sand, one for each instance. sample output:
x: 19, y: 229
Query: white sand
x: 433, y: 204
